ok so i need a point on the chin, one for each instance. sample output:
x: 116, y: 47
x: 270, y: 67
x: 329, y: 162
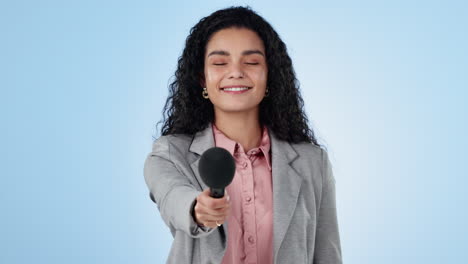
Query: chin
x: 236, y: 108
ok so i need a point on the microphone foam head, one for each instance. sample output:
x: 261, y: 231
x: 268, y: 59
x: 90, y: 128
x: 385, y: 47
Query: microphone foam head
x: 217, y: 168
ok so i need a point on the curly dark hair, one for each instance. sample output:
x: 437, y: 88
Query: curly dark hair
x: 282, y: 111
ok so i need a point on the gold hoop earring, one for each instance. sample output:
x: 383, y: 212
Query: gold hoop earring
x: 205, y: 93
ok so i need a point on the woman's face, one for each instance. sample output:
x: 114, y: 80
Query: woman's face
x: 235, y: 70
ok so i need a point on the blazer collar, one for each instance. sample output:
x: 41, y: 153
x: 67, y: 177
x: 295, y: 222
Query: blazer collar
x: 202, y: 141
x: 286, y: 180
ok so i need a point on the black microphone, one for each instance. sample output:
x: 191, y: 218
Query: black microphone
x: 217, y: 168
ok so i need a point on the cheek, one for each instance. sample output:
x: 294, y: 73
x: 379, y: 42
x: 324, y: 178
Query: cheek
x: 212, y: 76
x: 261, y: 77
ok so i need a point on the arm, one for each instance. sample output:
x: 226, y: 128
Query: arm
x: 327, y: 241
x: 173, y: 193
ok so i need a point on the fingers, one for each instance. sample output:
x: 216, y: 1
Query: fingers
x: 201, y: 215
x: 209, y: 220
x: 212, y: 224
x: 209, y: 210
x: 212, y: 203
x: 214, y: 212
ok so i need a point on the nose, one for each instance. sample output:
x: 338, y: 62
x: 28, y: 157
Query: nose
x: 236, y: 71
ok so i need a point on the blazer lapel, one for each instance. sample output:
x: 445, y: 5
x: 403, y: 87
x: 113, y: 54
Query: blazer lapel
x: 202, y: 141
x: 286, y: 186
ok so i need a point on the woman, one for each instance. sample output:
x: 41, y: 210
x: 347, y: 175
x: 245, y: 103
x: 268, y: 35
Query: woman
x: 235, y: 88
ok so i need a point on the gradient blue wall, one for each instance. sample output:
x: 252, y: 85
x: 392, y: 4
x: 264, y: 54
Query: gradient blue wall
x: 83, y: 84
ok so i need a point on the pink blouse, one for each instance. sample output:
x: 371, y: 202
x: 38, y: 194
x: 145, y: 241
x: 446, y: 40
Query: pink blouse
x: 250, y: 224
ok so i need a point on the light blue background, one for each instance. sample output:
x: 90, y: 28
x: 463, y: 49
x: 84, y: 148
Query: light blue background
x: 83, y: 84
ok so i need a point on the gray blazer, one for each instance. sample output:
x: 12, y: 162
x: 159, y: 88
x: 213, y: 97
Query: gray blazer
x: 305, y: 226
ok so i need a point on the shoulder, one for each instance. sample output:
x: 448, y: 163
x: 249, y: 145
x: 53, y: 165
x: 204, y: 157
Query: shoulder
x: 312, y: 158
x: 304, y: 154
x: 310, y: 151
x: 169, y: 145
x: 307, y: 148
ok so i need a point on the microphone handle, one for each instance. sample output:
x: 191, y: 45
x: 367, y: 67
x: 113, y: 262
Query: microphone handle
x: 217, y: 193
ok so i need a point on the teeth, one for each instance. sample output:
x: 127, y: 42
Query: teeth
x: 236, y: 89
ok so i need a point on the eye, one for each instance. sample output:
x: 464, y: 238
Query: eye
x: 219, y: 64
x: 252, y: 63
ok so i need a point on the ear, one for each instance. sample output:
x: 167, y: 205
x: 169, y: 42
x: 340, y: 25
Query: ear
x: 202, y: 80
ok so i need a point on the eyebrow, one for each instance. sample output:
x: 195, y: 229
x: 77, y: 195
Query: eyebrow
x: 244, y: 53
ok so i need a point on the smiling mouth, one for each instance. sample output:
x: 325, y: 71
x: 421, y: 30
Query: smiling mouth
x: 236, y: 89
